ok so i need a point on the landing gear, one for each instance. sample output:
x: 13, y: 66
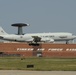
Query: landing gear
x: 67, y: 42
x: 73, y: 41
x: 70, y: 42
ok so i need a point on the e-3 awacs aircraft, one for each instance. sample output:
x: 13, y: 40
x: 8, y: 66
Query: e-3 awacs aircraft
x: 35, y: 38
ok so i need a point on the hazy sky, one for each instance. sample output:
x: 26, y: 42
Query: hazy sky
x: 42, y: 15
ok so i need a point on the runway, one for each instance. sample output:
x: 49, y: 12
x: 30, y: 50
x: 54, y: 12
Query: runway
x: 23, y: 72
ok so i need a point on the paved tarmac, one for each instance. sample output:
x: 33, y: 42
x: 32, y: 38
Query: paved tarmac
x: 22, y: 72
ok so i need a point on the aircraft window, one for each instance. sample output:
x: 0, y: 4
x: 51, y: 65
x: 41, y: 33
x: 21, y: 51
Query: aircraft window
x: 46, y: 36
x: 52, y: 36
x: 42, y: 36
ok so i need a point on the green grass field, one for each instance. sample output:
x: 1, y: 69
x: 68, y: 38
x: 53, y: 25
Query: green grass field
x: 40, y: 64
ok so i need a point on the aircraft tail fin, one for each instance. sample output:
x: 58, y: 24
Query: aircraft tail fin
x: 2, y: 32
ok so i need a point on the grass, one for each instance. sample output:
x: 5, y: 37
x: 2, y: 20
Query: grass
x: 40, y: 64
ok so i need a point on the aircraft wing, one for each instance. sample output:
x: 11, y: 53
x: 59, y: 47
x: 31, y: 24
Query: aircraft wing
x: 42, y: 39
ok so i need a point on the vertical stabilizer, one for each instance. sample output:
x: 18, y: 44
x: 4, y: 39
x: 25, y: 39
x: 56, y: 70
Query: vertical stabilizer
x: 2, y: 32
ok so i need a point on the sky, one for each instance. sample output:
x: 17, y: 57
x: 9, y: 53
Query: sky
x: 42, y: 15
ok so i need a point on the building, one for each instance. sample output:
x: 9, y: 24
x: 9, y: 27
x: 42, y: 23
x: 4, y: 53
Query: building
x: 43, y: 50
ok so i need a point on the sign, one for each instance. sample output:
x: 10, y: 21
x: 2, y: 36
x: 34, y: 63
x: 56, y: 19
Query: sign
x: 49, y: 49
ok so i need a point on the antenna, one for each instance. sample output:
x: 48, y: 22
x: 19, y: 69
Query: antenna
x: 20, y: 25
